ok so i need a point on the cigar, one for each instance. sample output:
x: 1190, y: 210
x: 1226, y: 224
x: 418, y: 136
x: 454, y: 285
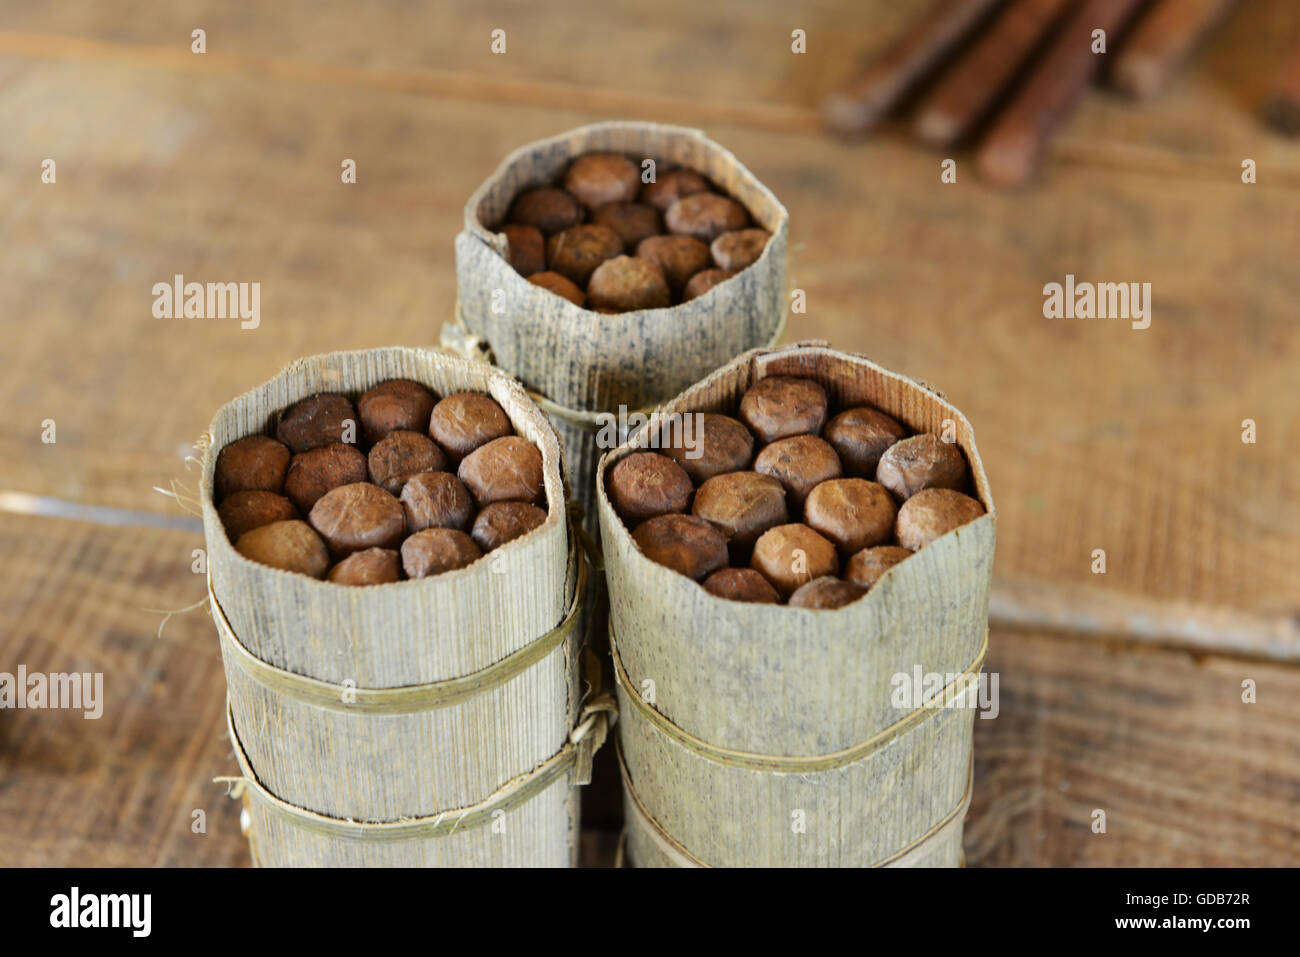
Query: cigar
x: 969, y: 89
x: 1161, y: 41
x: 1282, y: 108
x: 859, y: 105
x: 1014, y: 146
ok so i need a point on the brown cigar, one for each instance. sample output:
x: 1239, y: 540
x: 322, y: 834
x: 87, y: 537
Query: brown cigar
x: 1161, y: 41
x: 1012, y: 149
x: 1282, y: 109
x: 858, y: 105
x: 966, y: 92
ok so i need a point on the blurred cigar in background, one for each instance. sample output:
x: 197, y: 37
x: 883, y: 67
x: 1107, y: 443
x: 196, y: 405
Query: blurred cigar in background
x: 860, y: 104
x: 1013, y: 71
x: 970, y: 89
x: 1014, y: 146
x: 1282, y: 108
x: 1162, y: 41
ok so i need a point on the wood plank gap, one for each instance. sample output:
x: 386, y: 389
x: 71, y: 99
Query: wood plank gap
x: 1088, y: 610
x: 22, y: 503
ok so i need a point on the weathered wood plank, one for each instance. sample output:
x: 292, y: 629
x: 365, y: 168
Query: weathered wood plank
x: 1160, y: 740
x: 120, y: 790
x: 123, y: 789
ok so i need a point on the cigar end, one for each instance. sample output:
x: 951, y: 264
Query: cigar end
x: 1007, y: 161
x: 936, y: 128
x: 847, y: 116
x: 1138, y: 77
x: 1282, y: 113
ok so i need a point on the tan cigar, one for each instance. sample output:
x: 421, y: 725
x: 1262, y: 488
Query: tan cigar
x: 967, y: 91
x: 1010, y: 153
x: 1162, y: 41
x: 859, y: 105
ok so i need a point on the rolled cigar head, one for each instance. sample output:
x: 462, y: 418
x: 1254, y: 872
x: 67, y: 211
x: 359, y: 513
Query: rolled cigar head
x: 464, y: 421
x: 852, y: 512
x: 721, y: 444
x: 743, y: 505
x: 353, y: 518
x: 934, y: 512
x: 923, y: 461
x: 741, y: 584
x: 392, y: 405
x: 826, y: 593
x: 436, y: 550
x: 686, y: 544
x: 291, y: 545
x: 869, y: 565
x: 401, y: 454
x: 780, y: 406
x: 632, y: 221
x: 790, y: 555
x: 646, y: 484
x: 703, y: 281
x: 671, y: 186
x: 561, y: 286
x: 503, y: 522
x: 374, y: 566
x: 679, y: 257
x: 252, y: 508
x: 316, y: 471
x: 860, y: 436
x: 800, y: 463
x: 548, y: 210
x: 527, y: 248
x: 436, y: 500
x: 740, y: 249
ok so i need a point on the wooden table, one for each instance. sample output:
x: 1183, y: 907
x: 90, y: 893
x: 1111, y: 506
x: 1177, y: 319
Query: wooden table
x: 1120, y: 692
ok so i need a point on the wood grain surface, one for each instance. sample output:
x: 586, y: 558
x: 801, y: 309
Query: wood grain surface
x: 1187, y: 773
x: 873, y: 778
x: 225, y: 167
x: 121, y: 790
